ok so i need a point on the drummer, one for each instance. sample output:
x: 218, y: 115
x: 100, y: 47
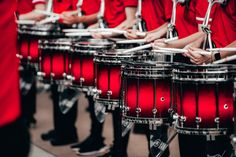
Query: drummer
x: 64, y: 131
x: 223, y: 35
x: 25, y: 11
x: 119, y: 14
x: 187, y: 25
x: 156, y: 15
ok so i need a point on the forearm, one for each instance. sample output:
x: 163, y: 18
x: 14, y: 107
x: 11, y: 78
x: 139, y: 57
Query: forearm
x: 181, y: 43
x: 32, y: 15
x: 161, y: 31
x: 88, y: 19
x: 130, y: 13
x: 224, y: 54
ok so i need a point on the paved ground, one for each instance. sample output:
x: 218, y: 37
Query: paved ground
x: 137, y: 144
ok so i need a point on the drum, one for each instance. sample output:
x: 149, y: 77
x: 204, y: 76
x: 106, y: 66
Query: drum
x: 146, y: 92
x: 108, y: 75
x: 29, y: 34
x: 54, y: 59
x: 81, y: 72
x: 203, y: 98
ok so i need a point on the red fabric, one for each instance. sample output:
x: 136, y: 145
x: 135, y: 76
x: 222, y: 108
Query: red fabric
x: 60, y: 6
x: 224, y: 24
x: 90, y: 6
x: 156, y: 12
x: 186, y: 23
x: 115, y: 11
x: 9, y: 78
x: 25, y: 6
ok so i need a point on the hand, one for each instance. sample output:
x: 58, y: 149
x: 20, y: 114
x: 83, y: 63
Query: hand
x: 196, y: 57
x: 127, y: 24
x: 132, y: 34
x: 159, y: 43
x: 69, y: 17
x: 152, y: 36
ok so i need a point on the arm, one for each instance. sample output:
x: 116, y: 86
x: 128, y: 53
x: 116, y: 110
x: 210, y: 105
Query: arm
x: 130, y: 18
x: 224, y: 54
x: 70, y: 18
x: 32, y: 15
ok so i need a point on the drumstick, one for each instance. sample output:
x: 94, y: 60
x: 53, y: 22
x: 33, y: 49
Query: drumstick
x: 85, y: 34
x: 175, y: 50
x: 26, y: 22
x: 138, y: 48
x: 48, y: 20
x: 131, y: 41
x: 141, y: 34
x: 74, y: 30
x: 46, y: 13
x: 227, y: 59
x: 171, y: 39
x: 233, y: 49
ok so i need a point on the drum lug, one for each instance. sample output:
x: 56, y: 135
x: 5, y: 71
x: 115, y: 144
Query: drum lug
x: 138, y: 110
x: 198, y: 121
x: 81, y: 81
x: 41, y: 74
x: 109, y: 93
x: 64, y: 75
x: 175, y: 116
x: 126, y: 109
x: 29, y: 57
x: 154, y: 111
x: 19, y: 56
x: 52, y: 75
x: 182, y: 120
x: 217, y: 121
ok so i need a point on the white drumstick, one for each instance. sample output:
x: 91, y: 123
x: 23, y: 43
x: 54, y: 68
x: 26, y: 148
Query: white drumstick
x: 85, y: 34
x: 138, y: 48
x: 141, y: 34
x: 227, y: 59
x: 26, y: 22
x: 131, y: 41
x: 175, y: 50
x: 231, y: 49
x: 74, y: 30
x: 48, y: 20
x: 46, y: 13
x: 171, y: 39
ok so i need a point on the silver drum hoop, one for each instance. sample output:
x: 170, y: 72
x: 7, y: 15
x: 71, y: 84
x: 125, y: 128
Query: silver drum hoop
x: 203, y: 73
x: 147, y: 70
x: 62, y: 44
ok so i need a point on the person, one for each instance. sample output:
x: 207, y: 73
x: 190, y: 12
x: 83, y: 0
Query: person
x: 118, y: 14
x: 189, y: 32
x: 156, y: 14
x: 25, y: 11
x: 15, y: 139
x: 65, y: 131
x: 223, y: 38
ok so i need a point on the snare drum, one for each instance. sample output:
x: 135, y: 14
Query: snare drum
x: 146, y: 92
x: 203, y: 97
x: 54, y: 59
x: 81, y: 72
x: 108, y: 75
x: 29, y: 34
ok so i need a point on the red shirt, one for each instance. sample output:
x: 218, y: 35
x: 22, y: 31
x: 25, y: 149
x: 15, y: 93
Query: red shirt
x: 156, y: 12
x: 60, y: 6
x: 9, y: 80
x: 224, y: 24
x: 90, y: 6
x: 115, y: 11
x: 25, y: 6
x: 186, y: 21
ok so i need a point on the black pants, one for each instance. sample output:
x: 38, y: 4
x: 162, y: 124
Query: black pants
x: 14, y: 140
x: 199, y: 146
x: 28, y: 100
x: 96, y: 126
x: 64, y: 124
